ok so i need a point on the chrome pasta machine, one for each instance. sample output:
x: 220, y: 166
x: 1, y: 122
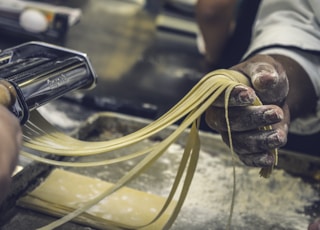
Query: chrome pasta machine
x: 34, y: 73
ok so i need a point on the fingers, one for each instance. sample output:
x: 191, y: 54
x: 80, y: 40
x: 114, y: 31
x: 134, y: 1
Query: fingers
x: 10, y: 142
x: 258, y: 159
x: 255, y: 148
x: 268, y: 78
x: 240, y: 96
x: 250, y: 141
x: 243, y: 118
x: 246, y: 143
x: 269, y: 82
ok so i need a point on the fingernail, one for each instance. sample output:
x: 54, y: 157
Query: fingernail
x: 264, y: 76
x: 265, y: 80
x: 271, y: 115
x: 273, y: 140
x: 266, y: 160
x: 245, y: 95
x: 258, y: 160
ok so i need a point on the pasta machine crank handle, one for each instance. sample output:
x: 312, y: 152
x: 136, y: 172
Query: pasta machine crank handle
x: 8, y: 94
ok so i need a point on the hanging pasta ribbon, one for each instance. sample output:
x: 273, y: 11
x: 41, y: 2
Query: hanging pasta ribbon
x: 41, y: 137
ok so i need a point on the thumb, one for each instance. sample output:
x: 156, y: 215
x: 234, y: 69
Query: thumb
x: 268, y: 78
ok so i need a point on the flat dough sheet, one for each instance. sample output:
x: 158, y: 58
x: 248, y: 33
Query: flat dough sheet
x: 63, y: 191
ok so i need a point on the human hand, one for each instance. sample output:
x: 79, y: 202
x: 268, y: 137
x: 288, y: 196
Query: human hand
x: 315, y: 225
x: 269, y: 82
x: 10, y: 142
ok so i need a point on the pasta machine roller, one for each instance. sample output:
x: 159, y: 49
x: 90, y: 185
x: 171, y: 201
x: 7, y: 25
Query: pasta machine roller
x: 34, y: 73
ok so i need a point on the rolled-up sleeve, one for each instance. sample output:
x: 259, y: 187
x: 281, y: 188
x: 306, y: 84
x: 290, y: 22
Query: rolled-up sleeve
x: 291, y: 28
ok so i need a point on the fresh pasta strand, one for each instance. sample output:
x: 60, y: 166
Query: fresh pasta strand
x: 42, y: 137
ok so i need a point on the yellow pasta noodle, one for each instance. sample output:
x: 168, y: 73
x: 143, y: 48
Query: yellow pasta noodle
x: 41, y: 137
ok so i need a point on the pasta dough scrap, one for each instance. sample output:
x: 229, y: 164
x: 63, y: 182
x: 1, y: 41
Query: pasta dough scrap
x: 64, y: 191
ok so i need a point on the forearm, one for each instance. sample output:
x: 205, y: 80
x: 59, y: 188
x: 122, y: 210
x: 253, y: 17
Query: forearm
x: 216, y: 21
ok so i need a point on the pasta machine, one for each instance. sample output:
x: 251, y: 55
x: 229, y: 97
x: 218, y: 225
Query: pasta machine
x: 34, y: 73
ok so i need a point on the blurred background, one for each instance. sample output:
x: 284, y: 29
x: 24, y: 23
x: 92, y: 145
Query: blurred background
x: 143, y: 68
x: 144, y: 52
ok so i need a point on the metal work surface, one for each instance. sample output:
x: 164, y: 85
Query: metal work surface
x: 284, y: 201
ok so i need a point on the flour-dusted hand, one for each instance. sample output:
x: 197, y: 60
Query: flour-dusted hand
x: 250, y: 142
x: 10, y: 142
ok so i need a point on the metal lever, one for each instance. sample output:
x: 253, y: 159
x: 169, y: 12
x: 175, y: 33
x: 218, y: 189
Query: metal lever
x: 35, y: 73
